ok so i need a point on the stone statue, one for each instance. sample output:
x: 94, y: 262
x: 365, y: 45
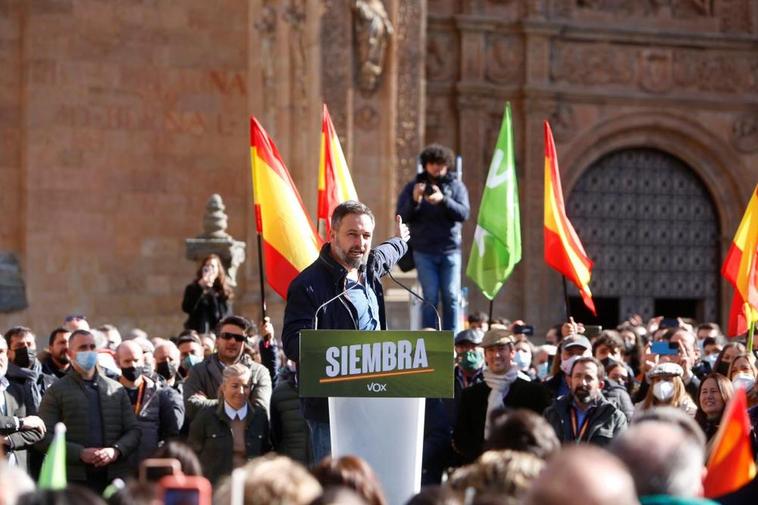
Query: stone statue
x: 215, y: 240
x: 373, y: 29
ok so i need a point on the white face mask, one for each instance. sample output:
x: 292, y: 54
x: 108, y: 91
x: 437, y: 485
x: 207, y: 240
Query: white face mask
x: 711, y: 359
x: 523, y: 359
x: 743, y: 381
x: 567, y: 364
x: 663, y: 390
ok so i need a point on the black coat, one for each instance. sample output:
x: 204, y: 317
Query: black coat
x: 319, y: 282
x: 17, y: 441
x: 468, y: 436
x: 205, y: 308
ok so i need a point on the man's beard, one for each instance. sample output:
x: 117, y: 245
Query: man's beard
x: 583, y: 395
x: 349, y: 259
x: 63, y: 359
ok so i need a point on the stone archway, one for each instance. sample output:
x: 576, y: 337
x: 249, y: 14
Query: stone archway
x: 651, y: 226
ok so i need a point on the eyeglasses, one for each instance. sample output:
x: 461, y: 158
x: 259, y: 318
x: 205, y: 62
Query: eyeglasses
x: 74, y: 317
x: 236, y: 336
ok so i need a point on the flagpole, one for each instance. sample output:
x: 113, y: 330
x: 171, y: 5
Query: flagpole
x: 750, y: 335
x: 262, y: 277
x: 566, y: 298
x: 489, y: 319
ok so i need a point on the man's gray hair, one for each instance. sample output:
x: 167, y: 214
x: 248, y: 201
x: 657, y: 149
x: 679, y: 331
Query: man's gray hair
x: 662, y: 458
x: 349, y: 207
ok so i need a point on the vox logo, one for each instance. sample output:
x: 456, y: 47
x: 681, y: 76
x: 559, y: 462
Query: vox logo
x: 376, y: 387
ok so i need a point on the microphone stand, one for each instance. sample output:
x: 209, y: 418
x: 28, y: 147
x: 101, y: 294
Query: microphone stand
x: 361, y: 270
x: 423, y: 300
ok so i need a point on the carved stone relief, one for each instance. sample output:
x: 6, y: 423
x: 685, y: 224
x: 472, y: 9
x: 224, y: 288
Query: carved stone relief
x: 504, y: 63
x: 653, y: 70
x: 373, y: 30
x: 745, y: 132
x: 563, y: 122
x: 266, y: 27
x: 336, y: 64
x: 442, y: 58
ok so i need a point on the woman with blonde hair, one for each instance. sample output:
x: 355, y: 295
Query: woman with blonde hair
x: 667, y: 390
x: 743, y: 374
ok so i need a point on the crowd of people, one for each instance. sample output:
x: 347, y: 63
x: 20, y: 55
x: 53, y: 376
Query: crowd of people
x: 620, y: 416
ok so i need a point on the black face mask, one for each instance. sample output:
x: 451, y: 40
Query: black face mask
x: 166, y: 369
x: 24, y: 357
x: 131, y: 373
x: 723, y: 368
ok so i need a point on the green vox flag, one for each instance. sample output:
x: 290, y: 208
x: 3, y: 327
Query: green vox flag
x: 497, y: 239
x: 53, y: 473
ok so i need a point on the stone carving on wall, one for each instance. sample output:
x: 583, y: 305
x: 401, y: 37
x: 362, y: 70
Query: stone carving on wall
x: 504, y: 59
x: 266, y: 27
x: 373, y: 30
x: 366, y: 118
x: 294, y: 15
x: 410, y: 73
x: 731, y: 16
x: 441, y: 56
x: 745, y: 132
x: 654, y: 70
x: 591, y: 64
x: 336, y: 64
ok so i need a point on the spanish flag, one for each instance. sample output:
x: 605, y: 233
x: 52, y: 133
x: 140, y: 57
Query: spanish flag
x: 563, y: 250
x: 741, y: 270
x: 334, y: 182
x: 289, y: 240
x: 731, y: 463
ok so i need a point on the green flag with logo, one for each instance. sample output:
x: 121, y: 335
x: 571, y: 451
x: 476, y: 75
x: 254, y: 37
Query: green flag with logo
x: 497, y: 239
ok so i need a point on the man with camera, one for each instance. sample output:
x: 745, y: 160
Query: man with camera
x: 434, y: 206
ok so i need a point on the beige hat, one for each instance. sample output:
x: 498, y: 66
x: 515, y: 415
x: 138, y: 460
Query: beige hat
x: 668, y: 368
x: 496, y: 337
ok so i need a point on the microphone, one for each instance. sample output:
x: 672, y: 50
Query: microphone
x: 423, y: 300
x: 361, y: 270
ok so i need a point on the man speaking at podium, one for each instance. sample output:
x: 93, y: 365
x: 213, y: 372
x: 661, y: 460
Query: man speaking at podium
x: 344, y: 285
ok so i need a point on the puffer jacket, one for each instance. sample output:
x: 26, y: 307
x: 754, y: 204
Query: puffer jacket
x: 66, y: 402
x: 206, y: 377
x: 605, y: 423
x: 320, y: 281
x: 212, y: 440
x: 289, y: 431
x: 160, y: 418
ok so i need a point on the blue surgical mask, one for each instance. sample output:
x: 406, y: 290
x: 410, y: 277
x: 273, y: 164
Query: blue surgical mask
x: 711, y: 359
x: 523, y: 359
x: 86, y: 360
x: 542, y: 370
x: 190, y: 361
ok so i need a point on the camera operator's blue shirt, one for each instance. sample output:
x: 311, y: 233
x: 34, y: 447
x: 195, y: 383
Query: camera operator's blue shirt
x: 365, y: 303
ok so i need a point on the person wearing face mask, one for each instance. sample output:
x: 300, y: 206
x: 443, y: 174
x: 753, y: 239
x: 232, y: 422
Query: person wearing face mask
x: 25, y: 370
x: 502, y: 388
x: 742, y: 373
x: 167, y: 360
x: 523, y: 359
x: 708, y: 357
x: 667, y: 390
x: 190, y: 352
x: 541, y: 360
x: 572, y: 347
x: 159, y: 409
x: 101, y: 429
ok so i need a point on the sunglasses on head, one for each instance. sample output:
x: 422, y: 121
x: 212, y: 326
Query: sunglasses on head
x: 236, y: 336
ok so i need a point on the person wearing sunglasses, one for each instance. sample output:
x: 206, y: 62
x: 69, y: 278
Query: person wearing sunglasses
x: 202, y: 385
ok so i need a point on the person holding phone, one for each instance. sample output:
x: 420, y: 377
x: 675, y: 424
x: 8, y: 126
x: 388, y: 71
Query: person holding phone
x: 207, y: 298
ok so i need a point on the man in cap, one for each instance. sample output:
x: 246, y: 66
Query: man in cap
x: 572, y: 347
x: 502, y: 388
x: 585, y: 415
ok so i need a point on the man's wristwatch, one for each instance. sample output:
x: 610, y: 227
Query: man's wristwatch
x: 20, y: 423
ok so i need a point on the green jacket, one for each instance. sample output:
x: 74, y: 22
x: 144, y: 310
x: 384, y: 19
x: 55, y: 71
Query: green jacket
x: 66, y: 402
x: 211, y: 438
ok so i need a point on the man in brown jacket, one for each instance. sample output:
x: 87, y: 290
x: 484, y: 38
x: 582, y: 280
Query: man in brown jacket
x: 101, y: 428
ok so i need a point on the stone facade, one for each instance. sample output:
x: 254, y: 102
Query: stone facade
x: 119, y: 118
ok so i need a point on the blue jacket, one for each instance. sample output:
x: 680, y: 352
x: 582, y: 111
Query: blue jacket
x: 320, y: 281
x: 435, y: 228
